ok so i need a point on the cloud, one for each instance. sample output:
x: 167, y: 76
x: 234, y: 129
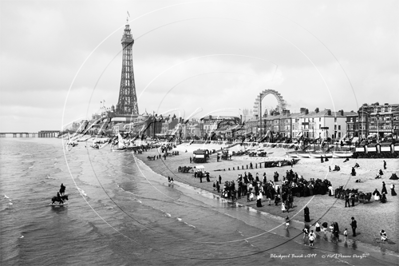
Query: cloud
x: 316, y: 53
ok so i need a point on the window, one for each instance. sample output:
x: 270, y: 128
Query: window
x: 319, y: 126
x: 319, y: 119
x: 335, y: 127
x: 339, y: 127
x: 335, y: 119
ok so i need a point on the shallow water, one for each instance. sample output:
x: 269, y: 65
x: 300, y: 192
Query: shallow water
x: 121, y: 213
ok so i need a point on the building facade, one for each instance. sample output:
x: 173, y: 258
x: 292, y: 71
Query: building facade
x: 374, y: 120
x: 312, y: 125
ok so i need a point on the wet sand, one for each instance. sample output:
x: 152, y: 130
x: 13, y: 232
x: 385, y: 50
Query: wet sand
x: 371, y: 217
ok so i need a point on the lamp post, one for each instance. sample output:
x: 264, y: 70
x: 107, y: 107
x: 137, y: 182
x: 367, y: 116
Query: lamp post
x: 260, y: 115
x: 378, y: 118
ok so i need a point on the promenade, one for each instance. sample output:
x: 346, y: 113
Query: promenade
x: 371, y: 217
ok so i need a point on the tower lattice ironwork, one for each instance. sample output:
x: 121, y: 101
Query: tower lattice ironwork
x: 127, y: 102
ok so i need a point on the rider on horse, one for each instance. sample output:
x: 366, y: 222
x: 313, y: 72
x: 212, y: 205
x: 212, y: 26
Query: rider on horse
x: 62, y: 189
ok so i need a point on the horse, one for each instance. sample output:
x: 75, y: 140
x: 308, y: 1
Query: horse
x: 54, y: 199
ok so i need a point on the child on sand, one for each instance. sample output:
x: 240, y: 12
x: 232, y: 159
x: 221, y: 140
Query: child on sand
x: 312, y: 237
x: 383, y: 235
x: 346, y: 234
x: 305, y: 231
x: 287, y: 222
x: 317, y: 227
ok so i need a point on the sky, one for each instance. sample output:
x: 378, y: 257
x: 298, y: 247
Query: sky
x: 60, y: 61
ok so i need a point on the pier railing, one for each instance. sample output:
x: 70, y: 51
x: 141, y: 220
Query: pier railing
x: 40, y: 134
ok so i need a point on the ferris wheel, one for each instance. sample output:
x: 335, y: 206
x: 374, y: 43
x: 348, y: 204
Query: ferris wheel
x: 281, y: 102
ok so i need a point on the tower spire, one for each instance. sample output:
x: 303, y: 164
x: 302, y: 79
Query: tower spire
x: 127, y: 102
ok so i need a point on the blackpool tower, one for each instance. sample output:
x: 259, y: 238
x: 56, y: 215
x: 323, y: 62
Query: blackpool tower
x: 127, y: 102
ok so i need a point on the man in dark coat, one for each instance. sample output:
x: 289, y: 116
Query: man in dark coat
x: 354, y: 226
x: 347, y: 200
x: 62, y: 189
x: 307, y: 214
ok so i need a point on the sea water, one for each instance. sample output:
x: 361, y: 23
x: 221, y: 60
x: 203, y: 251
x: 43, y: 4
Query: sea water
x: 122, y: 213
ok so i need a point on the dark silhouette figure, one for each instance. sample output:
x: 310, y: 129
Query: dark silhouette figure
x: 384, y: 189
x: 353, y: 171
x: 62, y: 189
x: 307, y: 214
x: 393, y: 192
x: 354, y: 226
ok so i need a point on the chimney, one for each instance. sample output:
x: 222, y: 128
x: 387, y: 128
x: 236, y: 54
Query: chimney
x: 341, y: 112
x: 317, y: 110
x: 328, y: 111
x: 302, y: 110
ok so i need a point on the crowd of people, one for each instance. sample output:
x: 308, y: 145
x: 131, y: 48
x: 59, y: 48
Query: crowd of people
x: 259, y: 188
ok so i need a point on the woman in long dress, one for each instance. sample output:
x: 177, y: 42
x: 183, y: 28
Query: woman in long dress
x: 259, y: 199
x: 283, y: 209
x: 393, y: 192
x: 384, y: 188
x: 376, y: 195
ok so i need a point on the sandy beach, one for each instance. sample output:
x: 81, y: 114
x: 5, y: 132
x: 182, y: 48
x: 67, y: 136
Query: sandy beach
x: 371, y: 216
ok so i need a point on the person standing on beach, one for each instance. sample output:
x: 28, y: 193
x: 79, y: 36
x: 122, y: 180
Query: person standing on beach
x: 312, y: 237
x: 354, y: 226
x: 384, y: 189
x: 317, y: 226
x: 347, y: 204
x: 220, y: 179
x: 393, y: 192
x: 283, y: 209
x: 383, y: 235
x: 385, y: 165
x: 287, y: 222
x: 305, y: 231
x: 336, y: 231
x: 325, y: 226
x: 307, y: 214
x: 346, y: 234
